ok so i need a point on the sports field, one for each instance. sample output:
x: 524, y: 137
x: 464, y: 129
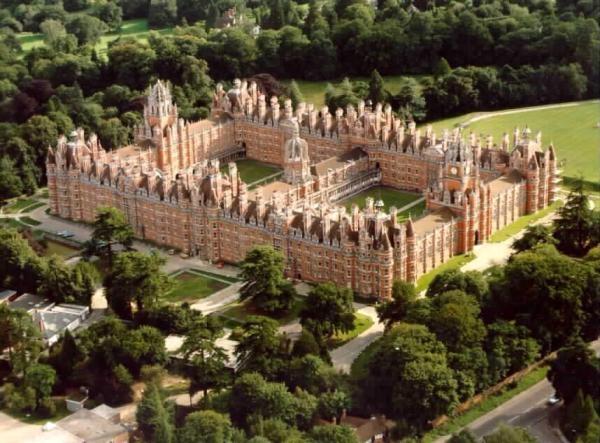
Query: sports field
x: 252, y: 170
x: 573, y: 129
x: 137, y: 29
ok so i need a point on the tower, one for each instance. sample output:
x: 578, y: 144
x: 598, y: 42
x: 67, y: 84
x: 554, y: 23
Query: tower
x: 295, y: 158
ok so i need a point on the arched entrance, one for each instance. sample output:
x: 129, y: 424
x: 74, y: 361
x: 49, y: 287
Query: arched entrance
x: 476, y: 237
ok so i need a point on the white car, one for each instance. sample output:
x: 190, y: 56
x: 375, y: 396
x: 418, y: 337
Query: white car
x: 555, y: 399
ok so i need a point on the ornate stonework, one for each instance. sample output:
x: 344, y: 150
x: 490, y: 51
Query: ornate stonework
x: 172, y: 188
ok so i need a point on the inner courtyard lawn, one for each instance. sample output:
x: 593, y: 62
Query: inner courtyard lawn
x: 572, y: 129
x: 390, y: 196
x: 190, y: 287
x: 252, y: 170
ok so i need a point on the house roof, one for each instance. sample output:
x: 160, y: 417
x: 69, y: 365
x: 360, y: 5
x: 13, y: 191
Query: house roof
x: 29, y: 302
x: 90, y: 426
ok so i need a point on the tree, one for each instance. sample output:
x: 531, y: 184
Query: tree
x: 206, y: 426
x: 577, y: 228
x: 53, y: 31
x: 332, y: 434
x: 110, y: 228
x: 333, y: 403
x: 580, y: 415
x: 20, y: 336
x: 64, y: 284
x: 576, y: 368
x: 86, y: 28
x: 260, y: 347
x: 110, y: 13
x: 306, y: 345
x: 463, y: 436
x: 442, y: 68
x: 206, y: 361
x: 471, y: 282
x: 41, y: 379
x: 507, y: 434
x: 264, y: 281
x: 328, y: 310
x: 377, y: 92
x: 152, y: 416
x: 20, y: 267
x: 395, y: 310
x: 162, y: 13
x: 533, y: 236
x: 295, y: 94
x: 11, y: 184
x: 408, y: 378
x: 136, y: 277
x: 66, y: 356
x: 311, y: 374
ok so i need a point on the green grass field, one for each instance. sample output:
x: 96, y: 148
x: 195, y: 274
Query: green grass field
x: 190, y: 287
x: 572, y: 129
x: 238, y: 312
x: 522, y: 223
x: 60, y: 249
x: 314, y: 91
x: 252, y: 170
x: 456, y: 262
x: 391, y: 197
x: 361, y: 324
x: 20, y: 204
x: 137, y: 29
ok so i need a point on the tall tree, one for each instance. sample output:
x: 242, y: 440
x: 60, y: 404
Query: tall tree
x: 328, y: 310
x: 206, y: 362
x: 20, y: 336
x: 41, y: 379
x: 136, y: 278
x: 577, y: 227
x: 260, y: 347
x: 295, y: 94
x: 264, y: 281
x: 333, y: 434
x: 395, y: 310
x: 206, y: 426
x: 377, y: 92
x: 152, y: 416
x: 111, y: 227
x: 533, y: 236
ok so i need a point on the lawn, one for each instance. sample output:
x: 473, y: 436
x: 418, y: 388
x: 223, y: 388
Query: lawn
x: 456, y: 262
x: 414, y: 212
x: 30, y: 221
x: 191, y: 286
x: 573, y: 130
x: 522, y: 223
x: 252, y: 170
x: 390, y: 196
x: 361, y: 324
x: 314, y: 91
x: 20, y: 204
x: 239, y: 311
x: 60, y: 249
x: 457, y: 423
x: 33, y: 419
x: 137, y: 29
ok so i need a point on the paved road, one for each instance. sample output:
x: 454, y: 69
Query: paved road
x: 13, y: 430
x: 528, y: 410
x: 343, y: 356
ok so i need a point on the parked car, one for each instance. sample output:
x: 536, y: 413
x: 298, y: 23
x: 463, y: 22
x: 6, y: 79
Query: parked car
x: 555, y: 399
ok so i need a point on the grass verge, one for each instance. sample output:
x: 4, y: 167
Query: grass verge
x: 456, y: 262
x: 30, y: 221
x: 522, y: 222
x: 19, y: 204
x: 361, y: 324
x: 32, y: 419
x: 460, y: 421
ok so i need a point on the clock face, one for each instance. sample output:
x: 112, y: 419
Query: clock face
x: 453, y: 170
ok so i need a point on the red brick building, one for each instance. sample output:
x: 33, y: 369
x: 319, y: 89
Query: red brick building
x: 172, y: 188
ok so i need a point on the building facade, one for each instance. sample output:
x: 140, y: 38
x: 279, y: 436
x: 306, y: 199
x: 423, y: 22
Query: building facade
x: 175, y: 189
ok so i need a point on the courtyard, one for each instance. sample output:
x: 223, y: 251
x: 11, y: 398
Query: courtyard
x: 390, y: 197
x: 252, y: 170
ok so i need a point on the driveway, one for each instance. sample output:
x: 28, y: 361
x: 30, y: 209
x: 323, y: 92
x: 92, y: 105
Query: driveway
x: 15, y: 431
